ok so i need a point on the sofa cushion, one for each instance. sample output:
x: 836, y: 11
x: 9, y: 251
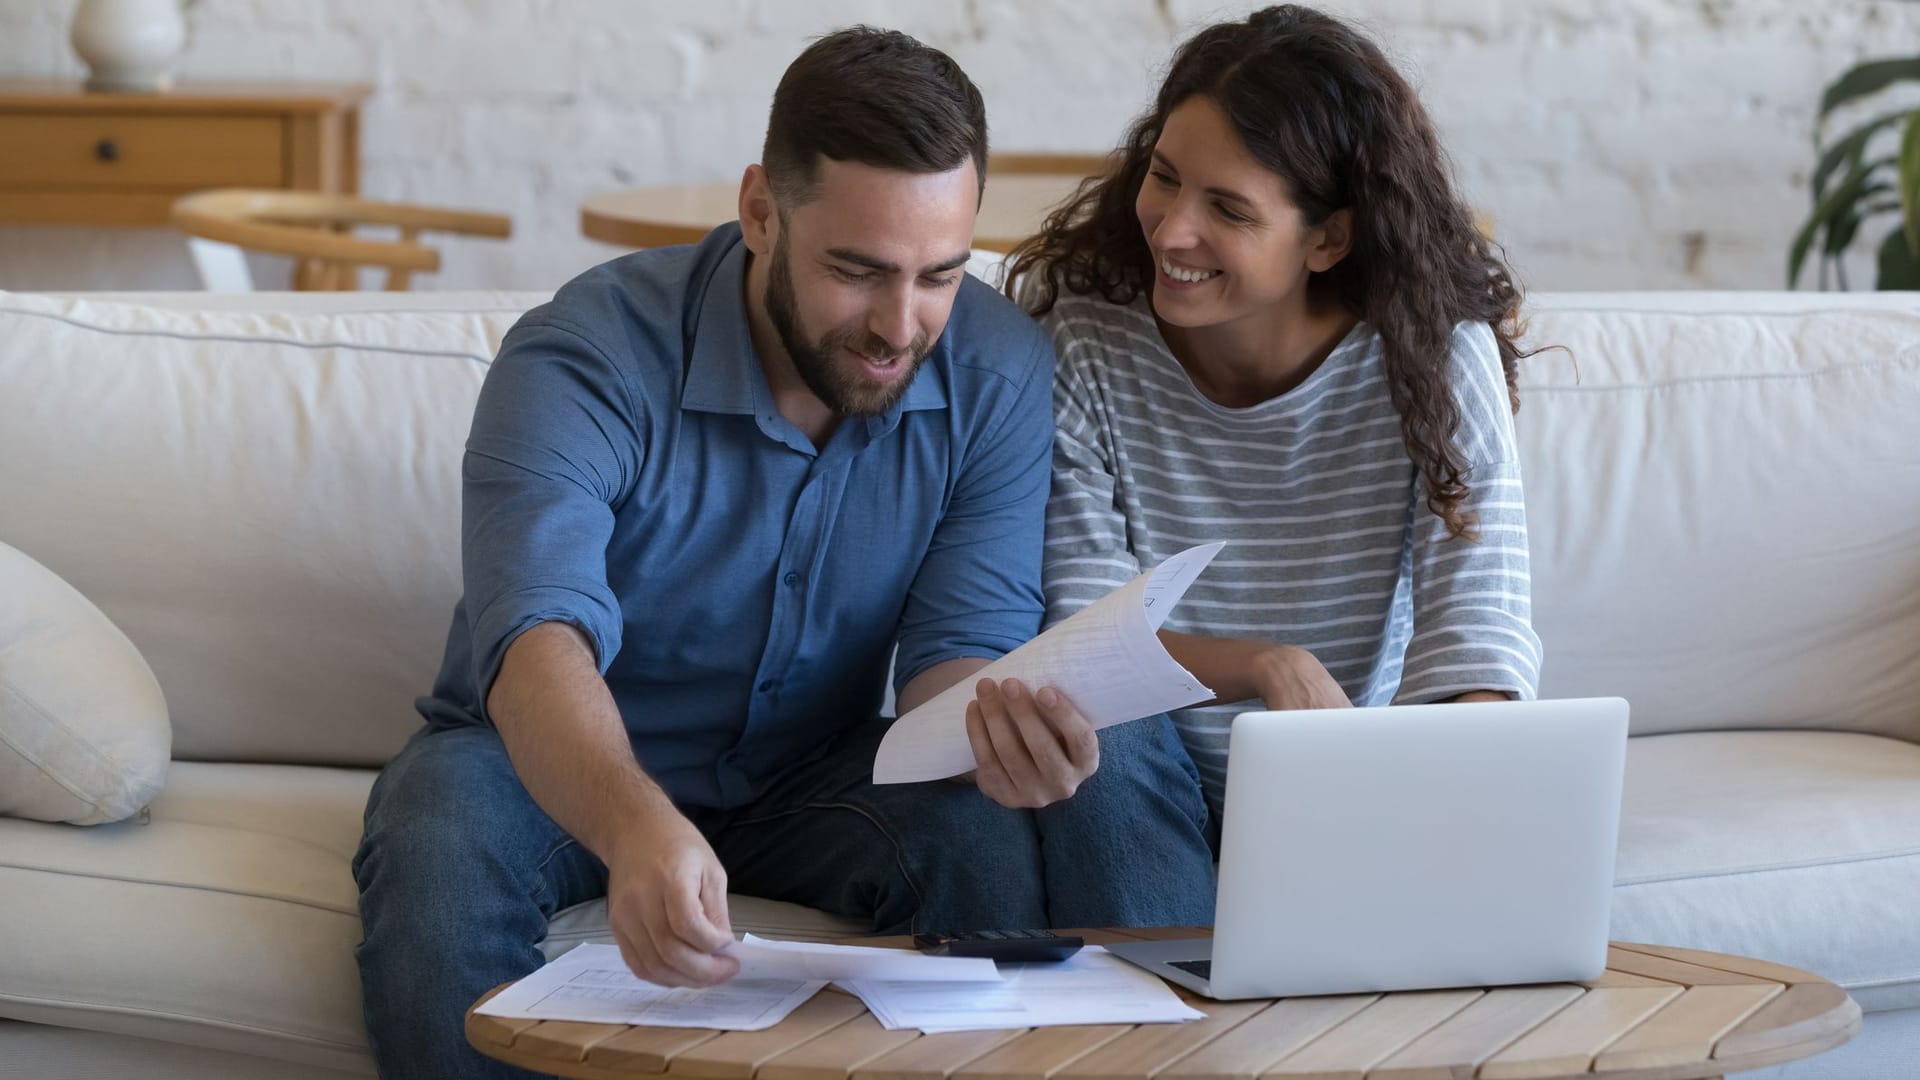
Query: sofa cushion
x: 229, y: 920
x: 83, y: 725
x: 267, y: 503
x: 1723, y: 493
x: 1797, y: 847
x: 262, y: 490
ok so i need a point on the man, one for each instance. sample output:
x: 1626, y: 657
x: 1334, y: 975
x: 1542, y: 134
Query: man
x: 707, y: 490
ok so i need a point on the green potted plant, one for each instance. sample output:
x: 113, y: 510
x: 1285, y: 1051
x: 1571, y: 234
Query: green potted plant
x: 1865, y: 175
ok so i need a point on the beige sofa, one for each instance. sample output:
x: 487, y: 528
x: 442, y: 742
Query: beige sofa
x: 263, y: 493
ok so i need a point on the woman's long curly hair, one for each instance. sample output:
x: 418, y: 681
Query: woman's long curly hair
x: 1318, y: 104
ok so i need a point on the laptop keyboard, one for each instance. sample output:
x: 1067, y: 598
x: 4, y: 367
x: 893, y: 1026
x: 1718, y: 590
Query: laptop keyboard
x: 1201, y: 968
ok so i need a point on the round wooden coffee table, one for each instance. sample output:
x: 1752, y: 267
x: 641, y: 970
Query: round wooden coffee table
x: 1657, y: 1014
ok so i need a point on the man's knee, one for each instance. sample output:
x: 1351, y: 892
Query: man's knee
x: 972, y: 863
x: 448, y: 816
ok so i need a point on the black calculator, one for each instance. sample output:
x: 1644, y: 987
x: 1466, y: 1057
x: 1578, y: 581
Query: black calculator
x: 1007, y: 946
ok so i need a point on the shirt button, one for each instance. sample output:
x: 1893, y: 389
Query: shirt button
x: 792, y: 578
x: 765, y: 686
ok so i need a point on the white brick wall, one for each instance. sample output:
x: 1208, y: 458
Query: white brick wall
x: 1620, y: 144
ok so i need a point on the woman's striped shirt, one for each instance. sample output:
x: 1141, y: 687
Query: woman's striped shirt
x: 1331, y: 546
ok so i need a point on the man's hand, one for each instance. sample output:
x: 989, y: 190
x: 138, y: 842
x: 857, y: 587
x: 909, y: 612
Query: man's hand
x: 667, y: 905
x: 1032, y: 750
x: 1289, y: 677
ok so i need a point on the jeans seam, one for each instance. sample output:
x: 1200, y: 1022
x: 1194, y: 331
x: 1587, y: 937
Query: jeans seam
x: 878, y: 822
x: 541, y: 893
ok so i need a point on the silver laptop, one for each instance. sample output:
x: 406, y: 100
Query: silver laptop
x: 1410, y: 847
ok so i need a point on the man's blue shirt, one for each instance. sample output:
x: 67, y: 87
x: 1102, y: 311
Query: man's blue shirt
x: 628, y: 473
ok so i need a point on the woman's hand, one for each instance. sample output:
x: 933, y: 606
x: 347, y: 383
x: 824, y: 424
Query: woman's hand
x: 1289, y: 677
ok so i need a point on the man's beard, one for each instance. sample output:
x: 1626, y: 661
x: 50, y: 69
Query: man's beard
x: 846, y: 393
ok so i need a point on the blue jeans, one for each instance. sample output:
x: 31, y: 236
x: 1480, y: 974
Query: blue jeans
x: 460, y: 870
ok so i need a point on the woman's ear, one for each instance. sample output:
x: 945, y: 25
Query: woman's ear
x: 1329, y: 242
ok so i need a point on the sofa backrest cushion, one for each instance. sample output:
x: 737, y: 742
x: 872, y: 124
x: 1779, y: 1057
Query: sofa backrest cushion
x: 1723, y: 497
x: 267, y: 503
x: 1723, y: 492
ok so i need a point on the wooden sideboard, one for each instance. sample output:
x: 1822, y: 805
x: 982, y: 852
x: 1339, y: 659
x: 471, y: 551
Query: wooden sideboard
x: 71, y: 157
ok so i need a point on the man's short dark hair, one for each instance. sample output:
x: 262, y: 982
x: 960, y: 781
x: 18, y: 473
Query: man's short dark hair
x: 874, y: 97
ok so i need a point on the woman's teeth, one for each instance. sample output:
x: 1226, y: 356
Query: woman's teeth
x: 1178, y: 273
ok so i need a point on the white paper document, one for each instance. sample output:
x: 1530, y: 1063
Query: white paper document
x: 1104, y: 657
x: 1092, y: 987
x: 804, y: 960
x: 593, y: 983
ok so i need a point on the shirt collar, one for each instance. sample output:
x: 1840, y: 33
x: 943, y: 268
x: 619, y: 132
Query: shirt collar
x: 724, y: 375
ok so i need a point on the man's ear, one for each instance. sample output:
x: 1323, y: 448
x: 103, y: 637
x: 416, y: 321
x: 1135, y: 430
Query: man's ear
x: 1330, y: 241
x: 759, y: 219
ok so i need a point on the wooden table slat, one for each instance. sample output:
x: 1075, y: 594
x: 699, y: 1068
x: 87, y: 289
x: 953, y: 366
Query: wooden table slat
x: 735, y: 1055
x: 1273, y: 1033
x: 1687, y: 1029
x: 1677, y: 971
x: 848, y: 1047
x: 1567, y: 1042
x: 1612, y: 978
x: 1104, y: 937
x: 934, y: 1057
x: 1146, y: 1050
x: 1804, y: 1013
x: 1373, y: 1034
x: 1167, y: 933
x: 1464, y: 1040
x: 647, y: 1049
x: 1740, y: 965
x: 1041, y: 1052
x: 496, y: 1030
x: 563, y: 1040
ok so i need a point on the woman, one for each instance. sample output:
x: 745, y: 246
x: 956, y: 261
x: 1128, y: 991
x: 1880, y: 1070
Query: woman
x: 1277, y: 326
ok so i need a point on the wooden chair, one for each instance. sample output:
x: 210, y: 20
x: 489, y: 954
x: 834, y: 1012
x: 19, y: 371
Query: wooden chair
x: 315, y: 230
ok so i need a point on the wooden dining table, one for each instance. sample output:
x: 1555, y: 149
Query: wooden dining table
x: 1011, y: 209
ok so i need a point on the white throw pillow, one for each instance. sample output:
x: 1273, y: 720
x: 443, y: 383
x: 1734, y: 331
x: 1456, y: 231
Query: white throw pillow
x: 84, y: 736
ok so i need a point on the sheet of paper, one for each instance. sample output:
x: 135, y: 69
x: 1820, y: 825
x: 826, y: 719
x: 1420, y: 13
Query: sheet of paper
x: 762, y: 959
x: 1104, y: 657
x: 592, y: 983
x: 1093, y: 987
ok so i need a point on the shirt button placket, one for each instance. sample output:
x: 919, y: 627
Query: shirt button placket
x: 799, y: 543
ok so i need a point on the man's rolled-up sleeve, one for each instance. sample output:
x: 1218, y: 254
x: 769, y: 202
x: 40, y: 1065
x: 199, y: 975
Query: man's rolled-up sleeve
x: 977, y: 593
x: 555, y: 445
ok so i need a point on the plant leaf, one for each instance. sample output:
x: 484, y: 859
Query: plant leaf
x: 1868, y: 78
x: 1910, y: 182
x: 1846, y: 224
x: 1852, y: 147
x: 1899, y: 266
x: 1830, y: 209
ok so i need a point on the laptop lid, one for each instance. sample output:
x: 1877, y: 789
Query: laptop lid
x: 1464, y: 844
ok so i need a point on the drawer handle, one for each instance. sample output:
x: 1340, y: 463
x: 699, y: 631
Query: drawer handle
x: 107, y: 150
